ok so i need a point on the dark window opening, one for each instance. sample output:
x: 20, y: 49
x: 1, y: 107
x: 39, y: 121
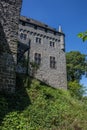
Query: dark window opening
x: 23, y: 36
x: 38, y: 40
x: 52, y: 62
x: 23, y: 23
x: 28, y: 19
x: 46, y: 30
x: 37, y: 58
x: 52, y: 44
x: 35, y: 27
x: 58, y: 40
x: 54, y: 33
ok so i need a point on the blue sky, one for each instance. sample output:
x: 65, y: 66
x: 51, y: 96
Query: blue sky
x: 70, y: 14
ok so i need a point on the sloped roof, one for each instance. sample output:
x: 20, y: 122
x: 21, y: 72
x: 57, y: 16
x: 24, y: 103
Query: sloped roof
x: 37, y: 23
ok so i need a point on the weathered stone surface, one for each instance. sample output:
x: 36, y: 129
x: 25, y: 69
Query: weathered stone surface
x: 9, y: 19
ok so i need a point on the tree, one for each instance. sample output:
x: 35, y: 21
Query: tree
x: 76, y: 68
x: 76, y: 89
x: 83, y: 36
x: 76, y: 65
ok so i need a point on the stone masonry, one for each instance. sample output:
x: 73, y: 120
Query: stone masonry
x: 47, y: 48
x: 9, y: 19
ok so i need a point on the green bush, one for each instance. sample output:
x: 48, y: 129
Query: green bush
x: 39, y: 107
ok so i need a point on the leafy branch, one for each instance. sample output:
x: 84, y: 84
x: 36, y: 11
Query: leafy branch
x: 83, y: 36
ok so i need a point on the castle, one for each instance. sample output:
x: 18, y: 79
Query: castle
x: 47, y: 49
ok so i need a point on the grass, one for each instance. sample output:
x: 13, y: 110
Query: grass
x: 37, y: 106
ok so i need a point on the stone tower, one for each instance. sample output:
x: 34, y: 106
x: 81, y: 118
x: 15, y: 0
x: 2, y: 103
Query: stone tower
x: 9, y: 20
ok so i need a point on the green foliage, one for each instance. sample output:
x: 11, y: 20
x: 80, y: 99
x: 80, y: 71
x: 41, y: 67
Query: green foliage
x: 83, y: 36
x: 76, y: 65
x: 14, y: 121
x: 34, y: 67
x: 48, y: 109
x: 76, y: 68
x: 76, y: 89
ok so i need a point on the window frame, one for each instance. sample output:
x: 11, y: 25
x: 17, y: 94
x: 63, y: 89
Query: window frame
x: 23, y: 36
x: 38, y: 40
x: 52, y: 44
x: 52, y: 62
x: 37, y: 58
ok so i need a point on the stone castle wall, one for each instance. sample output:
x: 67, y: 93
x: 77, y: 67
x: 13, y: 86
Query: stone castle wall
x: 55, y: 77
x: 9, y: 20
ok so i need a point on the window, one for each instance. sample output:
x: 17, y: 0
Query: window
x: 52, y: 62
x: 21, y: 29
x: 46, y: 30
x: 52, y: 44
x: 23, y: 36
x: 37, y: 58
x: 23, y: 23
x: 38, y: 40
x: 41, y: 28
x: 54, y: 33
x: 35, y: 27
x: 58, y: 40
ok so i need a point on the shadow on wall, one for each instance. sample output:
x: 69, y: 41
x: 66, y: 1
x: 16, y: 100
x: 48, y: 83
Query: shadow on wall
x: 10, y: 102
x: 3, y: 42
x: 7, y: 64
